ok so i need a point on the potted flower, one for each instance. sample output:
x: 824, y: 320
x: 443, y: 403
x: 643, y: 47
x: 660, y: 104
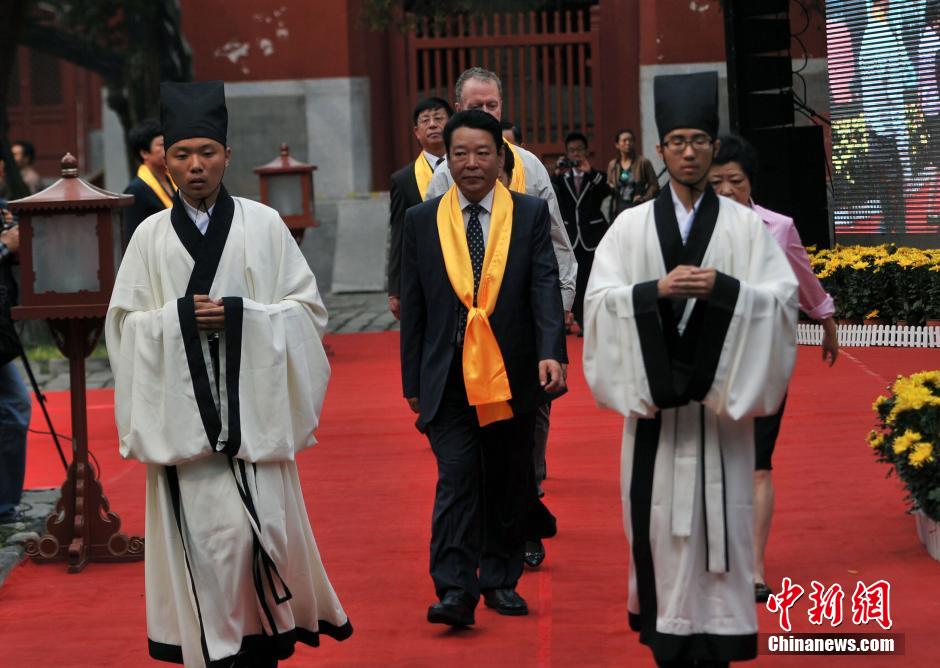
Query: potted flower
x: 908, y: 438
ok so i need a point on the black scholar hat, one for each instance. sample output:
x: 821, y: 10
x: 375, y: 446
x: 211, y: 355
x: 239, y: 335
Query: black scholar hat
x: 686, y: 101
x: 194, y: 109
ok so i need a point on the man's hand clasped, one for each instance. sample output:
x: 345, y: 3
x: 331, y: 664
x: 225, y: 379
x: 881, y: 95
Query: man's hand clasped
x: 687, y: 282
x: 210, y: 313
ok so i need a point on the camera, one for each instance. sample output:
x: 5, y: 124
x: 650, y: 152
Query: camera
x: 567, y: 163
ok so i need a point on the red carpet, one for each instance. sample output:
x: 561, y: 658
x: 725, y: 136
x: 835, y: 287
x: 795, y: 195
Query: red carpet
x: 369, y: 486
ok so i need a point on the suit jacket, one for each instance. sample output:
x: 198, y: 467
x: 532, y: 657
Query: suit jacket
x: 403, y: 194
x: 146, y: 203
x: 528, y: 319
x: 581, y: 212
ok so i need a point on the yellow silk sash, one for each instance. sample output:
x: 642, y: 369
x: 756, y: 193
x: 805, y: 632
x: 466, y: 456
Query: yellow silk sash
x: 423, y: 173
x: 484, y: 372
x: 517, y: 185
x: 145, y: 175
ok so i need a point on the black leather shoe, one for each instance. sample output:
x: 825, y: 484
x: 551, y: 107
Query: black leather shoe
x: 534, y: 553
x: 505, y: 602
x: 453, y: 610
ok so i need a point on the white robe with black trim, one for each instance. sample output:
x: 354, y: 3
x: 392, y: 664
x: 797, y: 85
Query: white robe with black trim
x: 689, y: 377
x: 219, y: 424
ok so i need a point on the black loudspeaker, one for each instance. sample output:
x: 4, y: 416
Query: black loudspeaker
x: 792, y: 178
x: 760, y: 79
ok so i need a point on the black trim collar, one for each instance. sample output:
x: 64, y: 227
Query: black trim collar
x: 206, y: 251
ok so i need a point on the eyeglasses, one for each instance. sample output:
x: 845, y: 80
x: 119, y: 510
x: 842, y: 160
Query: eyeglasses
x: 677, y: 144
x: 440, y: 119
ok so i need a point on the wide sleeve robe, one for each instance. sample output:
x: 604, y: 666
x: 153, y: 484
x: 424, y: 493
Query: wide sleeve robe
x: 689, y: 377
x: 231, y: 561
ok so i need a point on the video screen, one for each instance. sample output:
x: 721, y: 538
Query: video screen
x: 884, y: 61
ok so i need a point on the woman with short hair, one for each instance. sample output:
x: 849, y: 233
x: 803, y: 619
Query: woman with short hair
x: 630, y: 175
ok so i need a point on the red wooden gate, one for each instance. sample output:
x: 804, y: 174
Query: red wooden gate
x: 546, y: 61
x: 55, y: 105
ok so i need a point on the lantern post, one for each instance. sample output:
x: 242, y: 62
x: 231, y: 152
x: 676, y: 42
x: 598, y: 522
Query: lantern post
x: 70, y: 251
x: 287, y: 187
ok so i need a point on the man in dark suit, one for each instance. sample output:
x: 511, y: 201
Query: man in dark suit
x: 580, y: 190
x: 482, y: 342
x: 152, y: 187
x: 409, y: 183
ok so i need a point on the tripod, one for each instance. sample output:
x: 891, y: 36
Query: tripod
x: 41, y: 398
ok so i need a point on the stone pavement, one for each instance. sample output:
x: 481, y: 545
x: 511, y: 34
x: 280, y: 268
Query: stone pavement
x: 351, y: 312
x: 359, y: 312
x: 35, y: 507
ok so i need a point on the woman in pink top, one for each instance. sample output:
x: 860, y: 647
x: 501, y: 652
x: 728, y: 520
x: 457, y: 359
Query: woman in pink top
x: 731, y: 175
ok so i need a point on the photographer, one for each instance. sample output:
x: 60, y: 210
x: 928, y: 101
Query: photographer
x: 581, y: 190
x: 15, y: 404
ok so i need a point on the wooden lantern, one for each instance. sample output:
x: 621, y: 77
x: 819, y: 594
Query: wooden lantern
x: 287, y: 187
x: 70, y: 250
x: 70, y: 247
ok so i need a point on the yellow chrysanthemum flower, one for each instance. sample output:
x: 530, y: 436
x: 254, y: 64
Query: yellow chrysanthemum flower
x: 921, y: 454
x: 905, y: 441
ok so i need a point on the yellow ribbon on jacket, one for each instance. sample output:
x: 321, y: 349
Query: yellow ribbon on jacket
x: 484, y: 372
x: 517, y: 184
x: 423, y: 173
x: 145, y: 175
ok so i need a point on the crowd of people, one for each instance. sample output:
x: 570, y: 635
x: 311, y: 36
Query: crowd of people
x: 664, y: 292
x: 492, y: 259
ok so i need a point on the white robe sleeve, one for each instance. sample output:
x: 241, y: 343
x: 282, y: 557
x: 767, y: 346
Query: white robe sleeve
x: 282, y: 367
x: 613, y: 359
x: 759, y: 348
x: 155, y: 410
x: 284, y: 370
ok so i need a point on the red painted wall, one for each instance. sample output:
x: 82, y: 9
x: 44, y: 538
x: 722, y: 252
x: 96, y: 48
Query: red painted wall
x: 246, y: 40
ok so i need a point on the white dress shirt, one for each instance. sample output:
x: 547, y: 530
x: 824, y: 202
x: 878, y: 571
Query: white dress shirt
x: 433, y: 159
x: 683, y: 216
x: 486, y: 204
x: 199, y: 217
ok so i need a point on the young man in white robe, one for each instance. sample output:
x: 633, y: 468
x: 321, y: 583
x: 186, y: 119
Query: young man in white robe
x: 690, y: 315
x: 213, y: 333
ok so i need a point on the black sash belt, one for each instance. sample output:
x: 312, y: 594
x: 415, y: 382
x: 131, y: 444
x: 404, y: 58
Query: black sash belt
x: 262, y: 564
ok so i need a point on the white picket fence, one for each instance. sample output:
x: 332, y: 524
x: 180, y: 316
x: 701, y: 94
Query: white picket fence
x: 861, y: 336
